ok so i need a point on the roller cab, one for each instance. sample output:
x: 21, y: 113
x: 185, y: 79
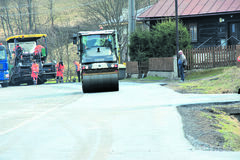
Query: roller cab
x: 98, y: 59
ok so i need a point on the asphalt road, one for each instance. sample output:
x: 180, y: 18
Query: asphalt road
x: 59, y: 122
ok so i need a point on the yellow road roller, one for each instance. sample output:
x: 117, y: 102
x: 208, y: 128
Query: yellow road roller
x: 98, y: 59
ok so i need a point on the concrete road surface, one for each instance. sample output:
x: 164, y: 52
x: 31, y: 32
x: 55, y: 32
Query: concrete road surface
x: 59, y: 122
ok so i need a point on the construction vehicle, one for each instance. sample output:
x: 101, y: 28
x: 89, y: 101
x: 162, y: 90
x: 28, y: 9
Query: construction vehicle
x: 98, y: 60
x: 33, y: 47
x: 4, y: 74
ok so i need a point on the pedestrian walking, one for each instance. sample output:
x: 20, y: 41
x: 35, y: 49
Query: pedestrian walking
x: 182, y: 62
x: 77, y: 66
x: 60, y: 70
x: 35, y: 71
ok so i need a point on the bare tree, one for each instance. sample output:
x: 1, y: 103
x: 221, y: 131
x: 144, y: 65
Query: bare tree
x: 20, y: 12
x: 108, y: 13
x: 7, y: 18
x: 3, y: 21
x: 51, y: 7
x: 30, y: 14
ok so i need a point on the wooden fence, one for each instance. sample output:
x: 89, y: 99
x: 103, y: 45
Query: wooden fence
x: 203, y: 58
x: 164, y: 64
x: 134, y: 67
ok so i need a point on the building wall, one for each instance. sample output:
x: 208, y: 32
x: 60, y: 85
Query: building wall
x: 214, y: 30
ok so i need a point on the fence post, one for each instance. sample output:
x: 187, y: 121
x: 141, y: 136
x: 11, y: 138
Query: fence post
x: 237, y: 55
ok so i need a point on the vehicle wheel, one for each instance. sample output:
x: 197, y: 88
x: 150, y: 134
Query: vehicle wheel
x: 84, y: 88
x: 30, y: 83
x: 4, y: 85
x: 117, y: 87
x: 41, y: 81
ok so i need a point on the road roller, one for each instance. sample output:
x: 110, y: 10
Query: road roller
x: 98, y: 58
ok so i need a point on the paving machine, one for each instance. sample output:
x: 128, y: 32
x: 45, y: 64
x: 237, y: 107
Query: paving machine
x: 4, y: 74
x: 98, y: 59
x: 33, y: 47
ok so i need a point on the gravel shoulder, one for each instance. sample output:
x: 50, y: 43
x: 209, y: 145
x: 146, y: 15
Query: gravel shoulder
x: 210, y: 128
x: 199, y: 130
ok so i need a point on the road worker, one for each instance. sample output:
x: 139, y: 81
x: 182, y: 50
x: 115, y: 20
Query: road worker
x: 38, y: 51
x: 77, y: 65
x: 35, y: 71
x: 60, y: 71
x: 17, y: 51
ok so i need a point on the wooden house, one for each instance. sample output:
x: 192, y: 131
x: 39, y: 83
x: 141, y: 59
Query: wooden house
x: 210, y: 22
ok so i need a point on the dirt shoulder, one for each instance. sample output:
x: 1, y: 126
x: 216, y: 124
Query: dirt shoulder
x: 210, y: 127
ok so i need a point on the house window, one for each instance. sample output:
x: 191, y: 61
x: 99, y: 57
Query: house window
x: 193, y: 32
x: 233, y: 28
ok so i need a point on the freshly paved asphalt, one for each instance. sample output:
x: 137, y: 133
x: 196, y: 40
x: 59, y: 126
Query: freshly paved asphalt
x: 140, y: 122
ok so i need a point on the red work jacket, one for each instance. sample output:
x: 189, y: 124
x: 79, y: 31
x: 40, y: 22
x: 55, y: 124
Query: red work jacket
x: 60, y: 70
x: 35, y: 70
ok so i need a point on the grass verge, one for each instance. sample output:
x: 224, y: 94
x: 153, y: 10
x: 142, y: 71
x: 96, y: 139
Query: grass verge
x: 145, y: 79
x: 225, y: 124
x: 210, y: 81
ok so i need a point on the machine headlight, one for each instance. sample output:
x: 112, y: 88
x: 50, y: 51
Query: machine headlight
x: 6, y: 74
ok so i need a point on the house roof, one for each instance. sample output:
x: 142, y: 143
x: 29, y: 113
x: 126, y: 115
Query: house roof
x: 124, y: 16
x: 191, y: 8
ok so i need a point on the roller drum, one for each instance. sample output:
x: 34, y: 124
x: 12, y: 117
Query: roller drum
x: 100, y: 83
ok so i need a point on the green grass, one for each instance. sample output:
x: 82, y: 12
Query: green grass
x: 204, y: 74
x: 212, y: 81
x: 145, y: 79
x: 154, y: 78
x: 227, y: 125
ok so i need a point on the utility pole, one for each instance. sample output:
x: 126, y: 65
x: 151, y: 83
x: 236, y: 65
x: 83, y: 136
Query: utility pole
x: 131, y: 20
x: 131, y: 16
x: 177, y: 34
x: 176, y: 17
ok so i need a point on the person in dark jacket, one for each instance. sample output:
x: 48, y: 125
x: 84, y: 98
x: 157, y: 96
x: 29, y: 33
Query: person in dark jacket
x: 182, y: 62
x: 18, y: 52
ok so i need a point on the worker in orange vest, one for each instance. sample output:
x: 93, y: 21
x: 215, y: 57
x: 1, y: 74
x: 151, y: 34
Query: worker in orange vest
x: 38, y: 52
x: 77, y: 65
x: 35, y: 71
x: 60, y: 71
x: 17, y: 51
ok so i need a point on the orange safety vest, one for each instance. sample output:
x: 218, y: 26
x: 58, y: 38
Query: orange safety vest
x: 60, y: 70
x: 77, y: 65
x: 35, y: 70
x: 38, y: 49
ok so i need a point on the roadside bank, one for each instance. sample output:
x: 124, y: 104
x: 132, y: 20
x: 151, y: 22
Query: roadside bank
x: 212, y: 127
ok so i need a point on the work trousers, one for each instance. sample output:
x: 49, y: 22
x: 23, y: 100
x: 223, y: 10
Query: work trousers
x: 181, y: 71
x: 78, y: 74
